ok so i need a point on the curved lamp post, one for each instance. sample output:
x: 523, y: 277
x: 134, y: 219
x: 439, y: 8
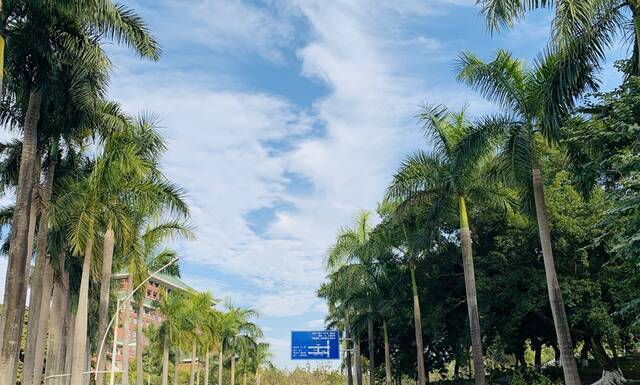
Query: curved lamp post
x: 104, y: 338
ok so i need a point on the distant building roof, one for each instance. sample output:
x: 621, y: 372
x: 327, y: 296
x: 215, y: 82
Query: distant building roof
x: 166, y: 280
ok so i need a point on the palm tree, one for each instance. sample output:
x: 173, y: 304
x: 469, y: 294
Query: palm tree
x: 61, y: 32
x: 172, y: 305
x: 350, y: 247
x: 261, y: 359
x: 151, y: 238
x: 241, y: 328
x: 535, y: 100
x: 449, y: 174
x: 348, y: 295
x: 586, y: 28
x: 199, y: 310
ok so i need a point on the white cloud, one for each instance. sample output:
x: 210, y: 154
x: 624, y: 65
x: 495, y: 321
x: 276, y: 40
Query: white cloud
x: 218, y: 151
x: 236, y: 26
x: 318, y: 324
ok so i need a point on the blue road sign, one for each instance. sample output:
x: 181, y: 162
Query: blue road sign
x: 316, y: 345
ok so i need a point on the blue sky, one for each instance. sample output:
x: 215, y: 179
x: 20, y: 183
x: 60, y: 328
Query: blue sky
x: 285, y: 117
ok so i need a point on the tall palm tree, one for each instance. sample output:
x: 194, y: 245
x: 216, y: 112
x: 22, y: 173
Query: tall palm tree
x: 350, y: 247
x: 154, y: 257
x: 172, y: 305
x: 261, y: 359
x: 242, y: 330
x: 587, y: 28
x: 449, y: 174
x: 61, y: 33
x: 199, y: 310
x: 534, y: 100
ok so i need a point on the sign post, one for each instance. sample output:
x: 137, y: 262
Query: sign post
x: 315, y: 345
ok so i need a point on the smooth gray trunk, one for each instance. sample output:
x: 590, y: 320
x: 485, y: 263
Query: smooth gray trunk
x: 233, y: 369
x: 43, y: 318
x: 472, y: 298
x: 358, y: 358
x: 140, y: 344
x: 192, y: 372
x: 35, y: 297
x: 165, y: 360
x: 370, y: 338
x: 176, y: 365
x: 347, y: 360
x: 71, y: 322
x: 417, y: 319
x: 105, y: 288
x: 15, y: 291
x: 569, y: 366
x: 57, y: 335
x: 220, y: 366
x: 47, y: 279
x: 127, y: 333
x: 206, y: 368
x: 387, y: 355
x: 79, y: 358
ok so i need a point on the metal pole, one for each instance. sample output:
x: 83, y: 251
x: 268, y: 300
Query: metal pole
x: 104, y: 339
x: 112, y: 375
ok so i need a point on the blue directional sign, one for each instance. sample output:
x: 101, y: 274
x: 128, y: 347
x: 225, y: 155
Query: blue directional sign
x: 316, y: 345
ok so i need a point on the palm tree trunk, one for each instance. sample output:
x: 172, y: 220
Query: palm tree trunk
x: 370, y: 338
x: 358, y: 358
x: 244, y: 378
x: 176, y: 365
x: 105, y: 288
x: 635, y: 10
x: 206, y: 368
x: 15, y: 291
x: 165, y: 360
x: 258, y: 374
x: 126, y: 327
x: 472, y: 299
x: 36, y: 290
x: 70, y: 322
x: 2, y: 45
x: 45, y: 303
x: 80, y: 329
x: 348, y: 353
x: 220, y: 365
x: 569, y: 366
x: 192, y: 372
x: 233, y: 369
x: 55, y: 348
x: 139, y: 344
x: 47, y: 279
x: 387, y: 354
x: 417, y: 317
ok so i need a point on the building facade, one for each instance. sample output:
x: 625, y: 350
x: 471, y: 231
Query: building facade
x: 151, y: 315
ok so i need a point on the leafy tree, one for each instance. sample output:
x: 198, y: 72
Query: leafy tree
x: 535, y: 100
x: 447, y: 173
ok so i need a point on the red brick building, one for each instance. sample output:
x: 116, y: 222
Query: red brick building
x: 151, y: 314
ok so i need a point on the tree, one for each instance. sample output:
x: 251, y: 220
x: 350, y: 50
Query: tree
x: 261, y: 360
x: 448, y: 173
x: 350, y: 247
x: 172, y: 306
x: 535, y: 101
x: 586, y: 28
x: 50, y: 24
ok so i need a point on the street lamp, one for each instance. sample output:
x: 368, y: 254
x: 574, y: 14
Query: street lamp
x: 104, y: 338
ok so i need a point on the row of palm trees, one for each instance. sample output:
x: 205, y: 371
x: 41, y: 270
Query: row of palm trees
x: 191, y: 324
x: 91, y: 197
x: 491, y: 162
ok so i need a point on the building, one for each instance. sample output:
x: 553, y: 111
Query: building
x: 151, y: 314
